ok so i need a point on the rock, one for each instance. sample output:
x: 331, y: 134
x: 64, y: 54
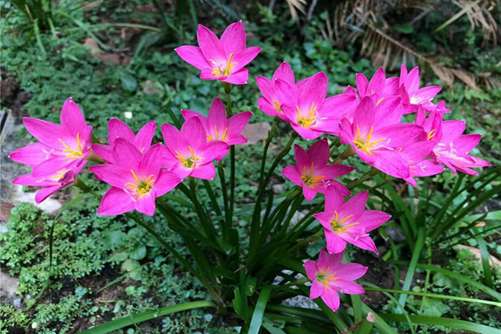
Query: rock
x: 50, y: 205
x: 256, y: 132
x: 476, y: 253
x: 8, y: 286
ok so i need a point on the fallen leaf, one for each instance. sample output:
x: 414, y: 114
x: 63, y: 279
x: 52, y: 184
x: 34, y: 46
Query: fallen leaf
x: 256, y: 132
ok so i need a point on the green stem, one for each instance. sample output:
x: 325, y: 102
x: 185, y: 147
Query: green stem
x: 229, y: 110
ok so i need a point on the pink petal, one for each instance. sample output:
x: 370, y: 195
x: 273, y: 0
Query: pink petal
x: 31, y: 155
x: 313, y: 90
x: 304, y: 133
x: 452, y: 130
x: 165, y: 183
x: 333, y: 201
x: 350, y: 287
x: 301, y: 156
x: 361, y: 82
x: 118, y: 129
x: 206, y: 172
x: 43, y: 193
x: 237, y: 123
x: 362, y: 242
x: 51, y: 166
x: 146, y: 205
x: 172, y: 138
x: 466, y: 143
x: 210, y: 46
x: 316, y: 290
x: 104, y: 152
x: 309, y: 193
x: 145, y: 136
x: 392, y: 163
x: 319, y: 153
x: 291, y: 173
x: 30, y: 180
x: 334, y: 171
x: 377, y: 83
x: 238, y: 78
x: 217, y: 116
x: 335, y: 244
x: 310, y: 267
x: 427, y: 93
x: 244, y: 57
x: 193, y: 56
x: 233, y: 38
x: 125, y: 154
x: 351, y: 271
x: 189, y: 114
x: 214, y: 150
x: 265, y: 86
x: 115, y: 202
x: 284, y: 72
x: 355, y: 205
x: 47, y: 133
x: 401, y: 135
x: 206, y: 74
x: 331, y: 299
x: 154, y: 159
x: 372, y: 219
x: 114, y: 175
x: 412, y: 82
x: 363, y: 118
x: 71, y: 117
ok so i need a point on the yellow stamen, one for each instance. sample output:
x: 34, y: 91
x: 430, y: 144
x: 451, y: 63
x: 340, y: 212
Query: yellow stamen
x: 141, y: 186
x: 366, y: 144
x: 277, y: 106
x: 309, y: 178
x: 189, y: 161
x: 218, y: 135
x: 73, y: 152
x: 431, y: 134
x: 306, y: 120
x: 339, y: 224
x: 59, y: 175
x: 220, y: 71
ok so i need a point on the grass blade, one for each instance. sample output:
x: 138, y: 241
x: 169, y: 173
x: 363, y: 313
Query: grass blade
x: 146, y: 315
x: 412, y: 266
x: 258, y: 314
x: 445, y: 322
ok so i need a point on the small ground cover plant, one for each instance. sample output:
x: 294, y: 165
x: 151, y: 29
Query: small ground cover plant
x: 391, y: 124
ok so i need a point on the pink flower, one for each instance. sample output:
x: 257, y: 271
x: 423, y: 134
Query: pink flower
x: 349, y: 222
x: 412, y: 95
x: 188, y: 151
x: 136, y: 179
x: 453, y: 149
x: 421, y: 162
x: 313, y: 172
x: 220, y: 128
x: 329, y: 277
x: 379, y: 88
x: 378, y: 137
x: 273, y: 99
x: 220, y: 59
x: 118, y: 129
x: 60, y: 154
x: 308, y: 110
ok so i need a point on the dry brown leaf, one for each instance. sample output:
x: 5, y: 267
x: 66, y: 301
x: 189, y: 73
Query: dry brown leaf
x: 256, y: 132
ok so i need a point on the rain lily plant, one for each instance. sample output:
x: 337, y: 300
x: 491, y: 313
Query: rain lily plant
x: 249, y: 251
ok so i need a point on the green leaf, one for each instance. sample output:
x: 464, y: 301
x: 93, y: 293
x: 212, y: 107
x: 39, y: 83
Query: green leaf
x: 445, y: 322
x: 257, y: 316
x: 405, y: 28
x: 146, y: 315
x: 416, y: 253
x: 139, y: 253
x: 129, y: 82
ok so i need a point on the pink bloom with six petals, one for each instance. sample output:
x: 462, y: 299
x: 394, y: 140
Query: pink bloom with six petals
x: 378, y: 137
x: 220, y: 128
x: 136, y: 179
x: 273, y: 99
x: 313, y: 172
x: 308, y: 109
x: 220, y: 59
x: 188, y: 151
x: 412, y: 95
x: 329, y: 277
x: 60, y: 154
x: 118, y: 129
x: 349, y: 222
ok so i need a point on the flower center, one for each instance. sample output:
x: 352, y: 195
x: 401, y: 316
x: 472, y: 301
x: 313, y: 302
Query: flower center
x: 325, y: 277
x: 339, y: 225
x: 73, y: 152
x: 141, y: 186
x: 307, y: 119
x: 225, y: 69
x: 188, y: 161
x: 366, y: 144
x: 277, y: 106
x: 216, y: 134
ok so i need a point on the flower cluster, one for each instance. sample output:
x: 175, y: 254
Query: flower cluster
x: 392, y: 124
